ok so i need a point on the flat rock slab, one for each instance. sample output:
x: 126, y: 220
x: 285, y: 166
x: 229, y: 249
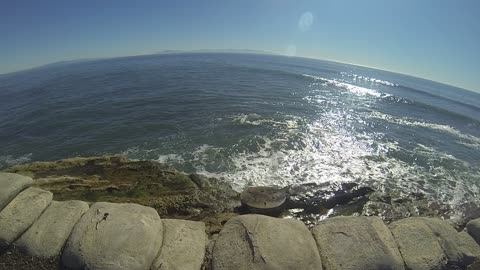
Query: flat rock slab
x: 262, y: 242
x: 473, y: 228
x: 47, y: 236
x: 351, y: 243
x: 11, y: 184
x: 114, y: 236
x: 418, y: 244
x: 183, y: 246
x: 263, y: 197
x: 21, y: 212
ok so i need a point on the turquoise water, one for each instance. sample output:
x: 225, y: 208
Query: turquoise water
x: 251, y: 119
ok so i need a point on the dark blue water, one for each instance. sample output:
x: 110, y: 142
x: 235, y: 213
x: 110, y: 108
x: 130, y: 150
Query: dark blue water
x: 252, y: 119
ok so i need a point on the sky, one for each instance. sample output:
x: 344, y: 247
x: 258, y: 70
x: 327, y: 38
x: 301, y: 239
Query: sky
x: 433, y: 39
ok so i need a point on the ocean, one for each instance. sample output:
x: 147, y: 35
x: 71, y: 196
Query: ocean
x: 250, y: 119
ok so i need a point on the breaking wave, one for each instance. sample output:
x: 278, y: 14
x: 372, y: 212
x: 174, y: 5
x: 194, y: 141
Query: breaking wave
x: 354, y: 89
x: 361, y: 78
x: 465, y: 139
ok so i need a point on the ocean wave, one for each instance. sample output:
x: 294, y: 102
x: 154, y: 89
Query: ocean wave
x: 356, y: 77
x: 326, y: 153
x: 254, y: 119
x: 357, y: 90
x: 466, y: 139
x: 170, y: 158
x: 322, y: 153
x: 326, y: 150
x: 8, y: 160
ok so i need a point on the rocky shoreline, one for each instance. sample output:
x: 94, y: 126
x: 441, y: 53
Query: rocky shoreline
x: 198, y: 198
x: 116, y: 179
x: 208, y: 202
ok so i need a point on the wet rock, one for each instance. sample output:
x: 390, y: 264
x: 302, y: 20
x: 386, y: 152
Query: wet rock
x: 463, y: 213
x: 475, y: 265
x: 356, y: 243
x: 326, y: 195
x: 392, y: 207
x: 264, y: 200
x: 473, y: 228
x: 418, y: 244
x: 262, y: 242
x: 47, y: 236
x: 311, y: 203
x: 21, y: 213
x: 114, y: 236
x: 183, y: 245
x: 10, y: 185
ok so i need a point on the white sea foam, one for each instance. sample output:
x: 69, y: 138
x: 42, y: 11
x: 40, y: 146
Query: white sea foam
x: 11, y: 160
x: 170, y: 158
x: 324, y: 154
x: 367, y: 79
x: 465, y: 139
x: 357, y: 90
x: 256, y: 120
x: 329, y: 152
x: 325, y: 150
x: 329, y: 149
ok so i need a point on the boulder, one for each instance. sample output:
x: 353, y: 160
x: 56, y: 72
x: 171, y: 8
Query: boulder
x: 10, y: 185
x: 21, y: 213
x: 418, y: 245
x: 460, y: 249
x: 473, y: 228
x: 262, y: 242
x: 183, y: 246
x: 114, y: 236
x: 431, y: 243
x: 469, y: 244
x: 47, y: 236
x: 356, y: 243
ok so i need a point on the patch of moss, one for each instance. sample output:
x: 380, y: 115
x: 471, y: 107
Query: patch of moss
x: 116, y: 179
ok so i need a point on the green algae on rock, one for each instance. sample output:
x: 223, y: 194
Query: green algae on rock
x: 117, y: 179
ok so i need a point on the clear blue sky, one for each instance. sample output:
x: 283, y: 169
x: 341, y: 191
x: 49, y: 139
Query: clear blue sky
x: 433, y: 39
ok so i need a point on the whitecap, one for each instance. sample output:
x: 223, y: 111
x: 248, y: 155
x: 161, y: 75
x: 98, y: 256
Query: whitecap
x: 170, y: 158
x: 368, y: 79
x: 357, y: 90
x: 466, y: 139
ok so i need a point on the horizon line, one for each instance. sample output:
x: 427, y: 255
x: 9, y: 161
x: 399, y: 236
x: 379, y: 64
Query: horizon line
x: 231, y: 51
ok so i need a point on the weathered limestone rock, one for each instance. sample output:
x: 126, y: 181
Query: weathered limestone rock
x: 356, y: 243
x: 114, y: 236
x: 47, y: 236
x: 418, y: 245
x: 183, y: 246
x: 10, y: 185
x: 473, y: 228
x: 460, y: 249
x: 261, y: 242
x: 21, y: 212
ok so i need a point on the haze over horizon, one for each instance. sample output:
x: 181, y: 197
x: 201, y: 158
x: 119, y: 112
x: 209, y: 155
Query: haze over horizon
x: 435, y: 40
